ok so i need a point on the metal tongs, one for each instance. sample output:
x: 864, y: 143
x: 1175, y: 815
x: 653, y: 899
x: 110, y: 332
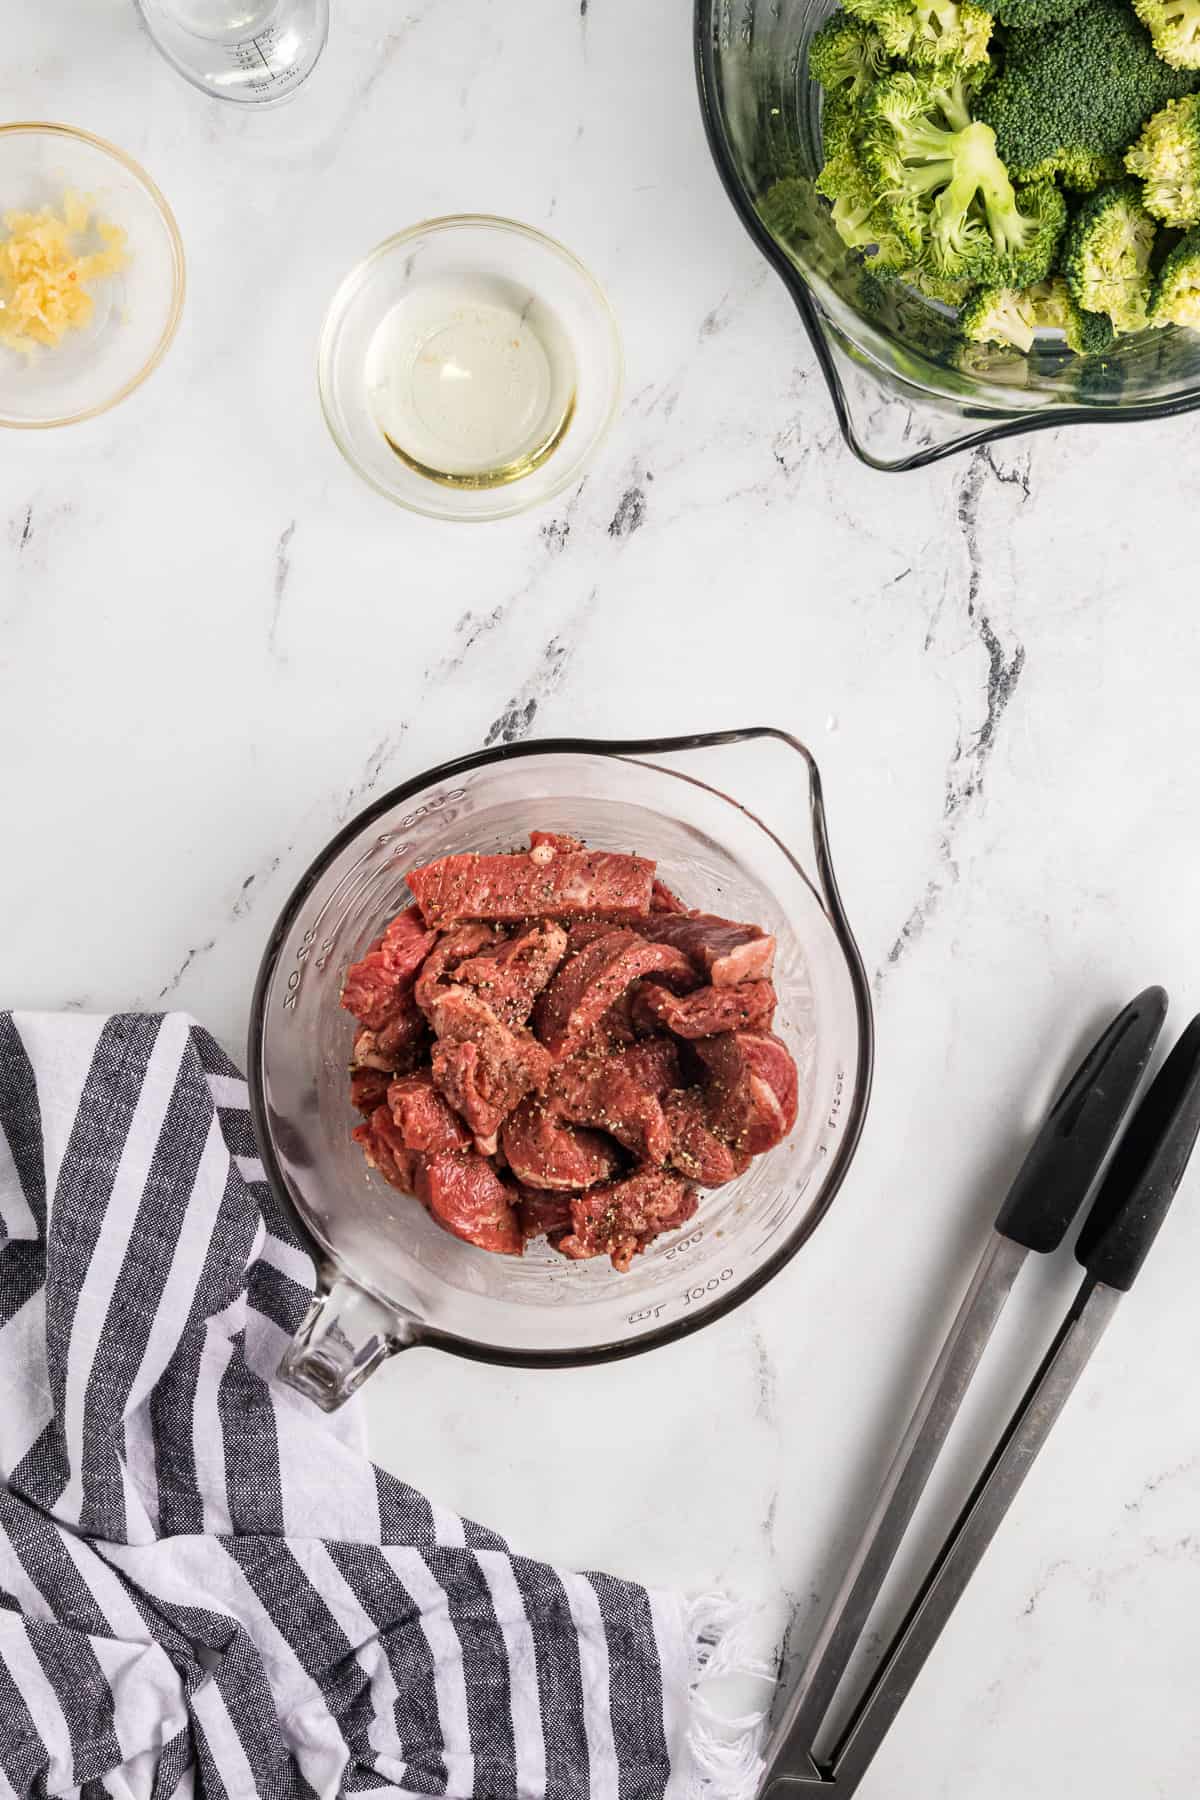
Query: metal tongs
x: 1056, y: 1178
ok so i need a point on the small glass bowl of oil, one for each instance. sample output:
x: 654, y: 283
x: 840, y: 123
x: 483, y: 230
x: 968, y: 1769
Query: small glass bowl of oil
x: 469, y: 368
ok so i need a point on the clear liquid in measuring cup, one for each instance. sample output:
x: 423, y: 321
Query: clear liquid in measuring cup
x: 471, y: 380
x: 254, y: 51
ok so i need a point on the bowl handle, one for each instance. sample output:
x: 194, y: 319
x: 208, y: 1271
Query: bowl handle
x: 343, y: 1338
x: 704, y: 754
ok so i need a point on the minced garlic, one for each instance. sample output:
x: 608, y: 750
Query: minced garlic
x: 43, y: 277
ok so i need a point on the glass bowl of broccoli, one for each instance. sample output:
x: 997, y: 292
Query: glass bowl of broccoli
x: 988, y: 214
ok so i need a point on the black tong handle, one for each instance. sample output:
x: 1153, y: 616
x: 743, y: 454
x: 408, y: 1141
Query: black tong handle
x: 1066, y: 1156
x: 1146, y: 1170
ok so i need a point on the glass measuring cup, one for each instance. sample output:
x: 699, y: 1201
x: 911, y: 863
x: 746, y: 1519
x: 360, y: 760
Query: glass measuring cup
x: 256, y: 52
x: 906, y: 388
x: 390, y: 1278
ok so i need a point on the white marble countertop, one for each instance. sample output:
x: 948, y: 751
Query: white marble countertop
x: 215, y: 644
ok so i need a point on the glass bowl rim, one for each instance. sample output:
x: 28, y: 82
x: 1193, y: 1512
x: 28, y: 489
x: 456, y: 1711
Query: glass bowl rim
x: 449, y: 222
x: 993, y: 425
x: 831, y: 904
x: 51, y: 128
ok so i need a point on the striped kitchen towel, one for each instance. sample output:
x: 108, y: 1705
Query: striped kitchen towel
x: 205, y: 1586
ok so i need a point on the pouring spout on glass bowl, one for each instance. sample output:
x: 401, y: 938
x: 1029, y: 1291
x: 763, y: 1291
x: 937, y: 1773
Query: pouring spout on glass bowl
x: 389, y: 1277
x: 906, y: 388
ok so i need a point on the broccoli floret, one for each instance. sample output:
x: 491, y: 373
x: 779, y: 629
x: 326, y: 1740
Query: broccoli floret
x: 1106, y: 256
x: 840, y: 124
x: 931, y: 33
x: 934, y: 286
x: 999, y: 315
x: 1044, y: 211
x: 1174, y: 27
x: 1087, y: 333
x: 1167, y: 157
x: 1024, y: 14
x: 925, y: 281
x: 1056, y: 309
x: 859, y: 217
x: 846, y: 56
x: 1176, y: 297
x: 946, y: 193
x: 1013, y: 317
x: 845, y: 183
x: 1071, y: 97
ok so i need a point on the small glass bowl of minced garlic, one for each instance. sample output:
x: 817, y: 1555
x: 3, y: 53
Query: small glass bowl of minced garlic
x: 91, y: 275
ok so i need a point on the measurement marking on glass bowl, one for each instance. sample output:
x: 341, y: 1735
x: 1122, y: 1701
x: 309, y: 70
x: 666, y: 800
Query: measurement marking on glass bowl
x: 689, y: 1243
x: 647, y: 1312
x: 435, y: 803
x: 708, y: 1287
x: 341, y: 892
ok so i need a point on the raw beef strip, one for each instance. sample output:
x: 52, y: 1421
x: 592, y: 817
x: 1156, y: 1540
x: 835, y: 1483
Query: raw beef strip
x: 544, y: 846
x: 376, y: 988
x: 708, y: 1010
x: 386, y: 1151
x: 587, y: 985
x: 622, y: 1023
x: 724, y: 951
x: 654, y: 1062
x: 368, y: 1089
x: 752, y: 1091
x: 367, y: 1054
x: 662, y: 900
x: 404, y: 1041
x: 695, y: 1150
x: 621, y: 1218
x: 603, y: 1091
x: 370, y: 990
x: 423, y: 1118
x: 465, y: 1194
x: 585, y: 931
x: 544, y: 1215
x: 456, y: 948
x: 545, y: 1152
x: 406, y: 943
x: 573, y: 883
x: 481, y: 1066
x: 397, y: 1046
x: 511, y: 977
x: 617, y: 1025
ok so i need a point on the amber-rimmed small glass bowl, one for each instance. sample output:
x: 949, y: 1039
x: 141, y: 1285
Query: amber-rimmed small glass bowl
x: 136, y: 312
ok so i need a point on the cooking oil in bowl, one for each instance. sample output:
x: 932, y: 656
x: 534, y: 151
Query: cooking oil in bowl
x: 471, y: 378
x: 469, y: 368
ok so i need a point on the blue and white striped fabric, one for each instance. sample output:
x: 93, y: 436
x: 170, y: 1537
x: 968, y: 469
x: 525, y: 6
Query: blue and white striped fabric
x: 205, y: 1586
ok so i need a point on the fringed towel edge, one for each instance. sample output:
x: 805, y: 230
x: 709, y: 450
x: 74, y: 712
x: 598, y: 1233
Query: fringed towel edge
x: 716, y: 1756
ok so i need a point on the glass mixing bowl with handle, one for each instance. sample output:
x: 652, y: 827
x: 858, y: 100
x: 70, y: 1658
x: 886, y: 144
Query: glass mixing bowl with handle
x: 906, y: 388
x: 389, y: 1276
